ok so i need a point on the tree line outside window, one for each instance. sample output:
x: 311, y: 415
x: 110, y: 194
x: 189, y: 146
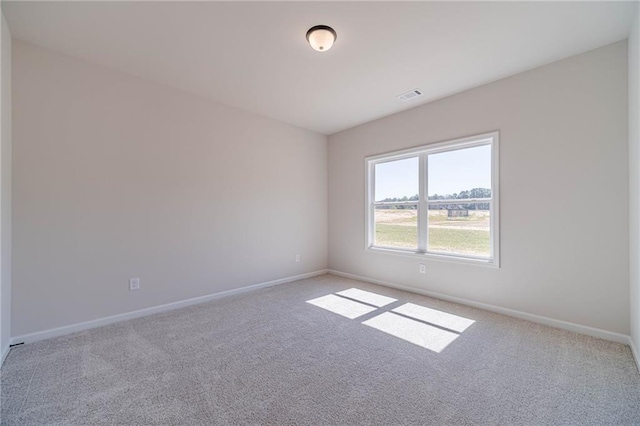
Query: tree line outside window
x: 471, y: 193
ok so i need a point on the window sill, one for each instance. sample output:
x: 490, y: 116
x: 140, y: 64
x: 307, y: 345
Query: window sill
x: 487, y: 263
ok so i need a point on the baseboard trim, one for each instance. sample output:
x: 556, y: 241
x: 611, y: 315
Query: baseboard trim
x: 565, y: 325
x: 5, y: 352
x: 634, y: 351
x: 61, y: 331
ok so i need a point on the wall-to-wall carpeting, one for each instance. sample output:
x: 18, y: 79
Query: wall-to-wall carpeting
x: 269, y: 357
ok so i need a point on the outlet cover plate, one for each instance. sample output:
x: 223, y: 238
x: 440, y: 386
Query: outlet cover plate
x: 134, y: 284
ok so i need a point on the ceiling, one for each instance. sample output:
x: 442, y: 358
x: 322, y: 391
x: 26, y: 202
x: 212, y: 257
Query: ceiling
x: 254, y: 55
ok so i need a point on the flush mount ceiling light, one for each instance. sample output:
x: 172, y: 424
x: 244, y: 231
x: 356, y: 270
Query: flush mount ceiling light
x: 321, y: 37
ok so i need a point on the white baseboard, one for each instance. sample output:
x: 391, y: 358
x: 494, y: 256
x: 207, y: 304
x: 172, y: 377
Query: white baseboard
x: 635, y: 353
x: 582, y: 329
x: 60, y: 331
x: 5, y: 352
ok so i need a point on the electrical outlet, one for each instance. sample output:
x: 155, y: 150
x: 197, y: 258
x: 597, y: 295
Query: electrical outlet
x: 423, y: 268
x: 134, y: 284
x: 297, y: 258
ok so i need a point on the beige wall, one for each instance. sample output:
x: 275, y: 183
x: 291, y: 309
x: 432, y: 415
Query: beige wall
x: 634, y: 178
x: 116, y: 177
x: 5, y: 191
x: 564, y: 191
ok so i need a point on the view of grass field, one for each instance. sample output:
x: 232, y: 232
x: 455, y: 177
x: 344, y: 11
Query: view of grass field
x: 462, y: 235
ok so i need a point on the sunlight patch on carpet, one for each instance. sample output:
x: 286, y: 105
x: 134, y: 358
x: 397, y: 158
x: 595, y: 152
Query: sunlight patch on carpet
x: 435, y: 317
x: 367, y: 297
x: 426, y: 327
x: 341, y: 306
x: 418, y: 333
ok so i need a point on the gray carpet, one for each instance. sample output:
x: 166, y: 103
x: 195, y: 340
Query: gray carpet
x: 269, y: 357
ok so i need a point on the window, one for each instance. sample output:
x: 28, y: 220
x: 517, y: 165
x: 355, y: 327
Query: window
x: 438, y: 201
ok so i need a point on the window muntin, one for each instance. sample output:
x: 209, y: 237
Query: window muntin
x: 453, y: 215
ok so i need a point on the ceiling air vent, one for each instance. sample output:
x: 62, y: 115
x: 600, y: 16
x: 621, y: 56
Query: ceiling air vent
x: 412, y: 94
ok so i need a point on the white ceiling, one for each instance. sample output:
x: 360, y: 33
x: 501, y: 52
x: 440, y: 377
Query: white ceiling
x: 255, y: 56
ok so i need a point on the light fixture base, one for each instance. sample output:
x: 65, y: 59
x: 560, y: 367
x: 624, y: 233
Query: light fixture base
x: 321, y: 37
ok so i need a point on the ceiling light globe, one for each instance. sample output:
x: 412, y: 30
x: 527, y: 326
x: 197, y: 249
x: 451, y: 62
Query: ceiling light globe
x: 321, y: 37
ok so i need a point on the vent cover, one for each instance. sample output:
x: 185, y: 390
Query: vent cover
x: 412, y: 94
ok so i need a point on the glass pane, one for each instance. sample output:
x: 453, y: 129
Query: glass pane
x: 460, y: 229
x: 396, y: 226
x: 397, y: 180
x: 464, y: 173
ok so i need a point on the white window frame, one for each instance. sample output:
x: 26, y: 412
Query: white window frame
x: 422, y: 152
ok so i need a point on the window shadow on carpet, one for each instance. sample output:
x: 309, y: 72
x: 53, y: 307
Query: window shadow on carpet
x: 426, y: 327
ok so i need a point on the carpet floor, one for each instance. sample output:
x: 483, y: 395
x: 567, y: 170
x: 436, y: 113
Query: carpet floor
x: 300, y: 353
